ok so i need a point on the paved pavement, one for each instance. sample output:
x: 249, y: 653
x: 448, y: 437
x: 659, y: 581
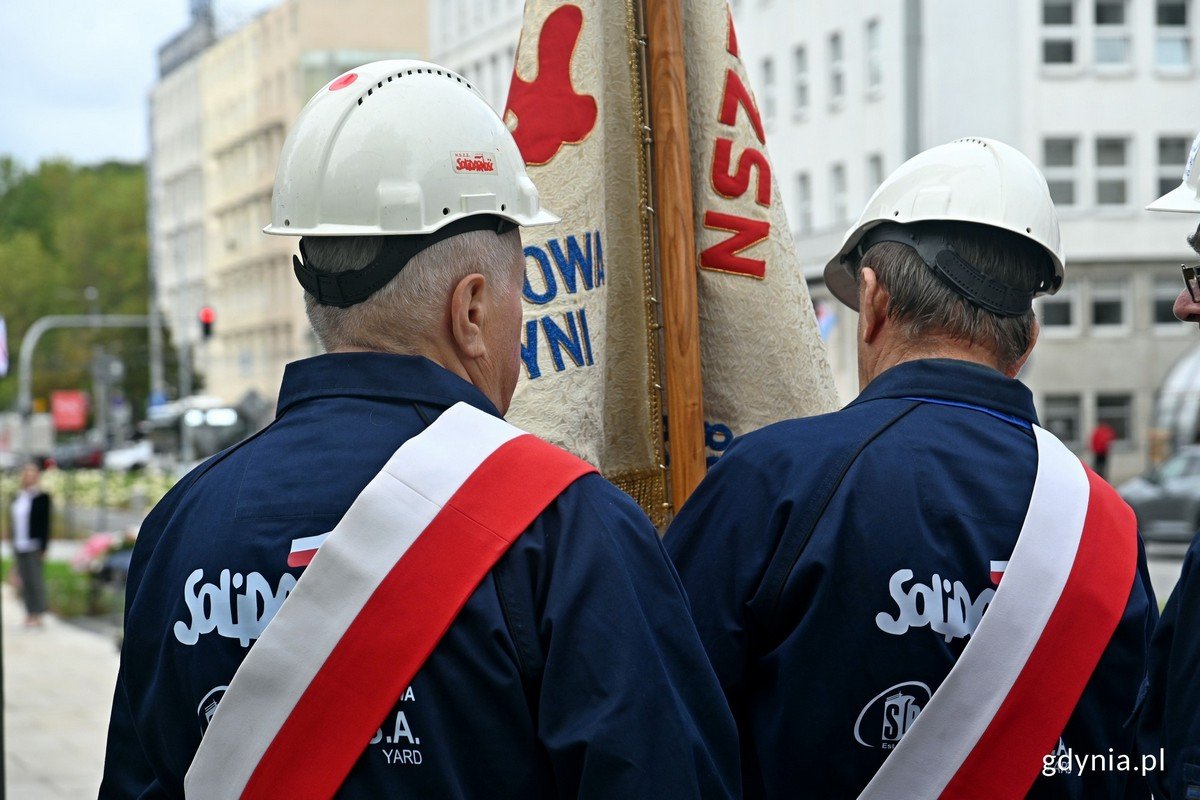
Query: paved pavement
x: 58, y: 684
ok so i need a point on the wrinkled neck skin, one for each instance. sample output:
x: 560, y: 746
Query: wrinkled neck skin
x: 875, y: 360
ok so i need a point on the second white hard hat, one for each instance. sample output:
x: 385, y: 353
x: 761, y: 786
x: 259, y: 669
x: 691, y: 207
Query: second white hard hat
x: 399, y: 147
x: 968, y: 180
x: 1185, y: 197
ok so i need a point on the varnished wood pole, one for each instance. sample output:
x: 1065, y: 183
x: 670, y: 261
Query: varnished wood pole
x: 667, y: 78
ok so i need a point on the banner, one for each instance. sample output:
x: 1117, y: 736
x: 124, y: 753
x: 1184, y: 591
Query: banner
x: 761, y: 351
x: 589, y: 346
x: 3, y: 348
x: 591, y: 377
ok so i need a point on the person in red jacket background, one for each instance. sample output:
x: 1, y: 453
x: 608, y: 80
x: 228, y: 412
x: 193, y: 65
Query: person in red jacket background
x: 1102, y: 439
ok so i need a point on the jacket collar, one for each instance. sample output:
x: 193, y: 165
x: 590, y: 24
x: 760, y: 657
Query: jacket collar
x: 377, y: 375
x: 953, y: 381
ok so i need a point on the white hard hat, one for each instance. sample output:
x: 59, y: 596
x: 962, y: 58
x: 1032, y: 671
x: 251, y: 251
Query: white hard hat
x: 399, y: 147
x: 1186, y: 196
x: 974, y: 180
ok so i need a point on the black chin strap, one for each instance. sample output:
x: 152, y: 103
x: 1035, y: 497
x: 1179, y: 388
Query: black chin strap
x: 344, y: 289
x: 933, y: 248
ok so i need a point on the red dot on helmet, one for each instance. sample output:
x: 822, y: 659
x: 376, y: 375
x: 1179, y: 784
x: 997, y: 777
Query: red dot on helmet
x: 343, y: 82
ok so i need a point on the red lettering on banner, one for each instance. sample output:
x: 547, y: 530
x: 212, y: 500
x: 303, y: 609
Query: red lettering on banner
x: 731, y: 42
x: 736, y: 94
x: 723, y: 256
x: 549, y: 112
x: 735, y: 184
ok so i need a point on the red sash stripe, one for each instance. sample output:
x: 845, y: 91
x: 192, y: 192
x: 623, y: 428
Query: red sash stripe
x: 1008, y: 756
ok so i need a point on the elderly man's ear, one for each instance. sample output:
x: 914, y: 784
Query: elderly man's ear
x: 468, y: 313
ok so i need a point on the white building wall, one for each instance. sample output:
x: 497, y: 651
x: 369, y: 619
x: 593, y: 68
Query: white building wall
x: 981, y: 72
x: 478, y: 40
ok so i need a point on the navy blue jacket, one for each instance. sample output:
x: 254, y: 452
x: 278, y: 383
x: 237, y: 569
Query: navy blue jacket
x: 1169, y: 719
x: 837, y: 565
x: 573, y: 671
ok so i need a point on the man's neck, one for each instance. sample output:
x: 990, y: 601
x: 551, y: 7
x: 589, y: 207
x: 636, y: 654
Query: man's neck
x: 895, y: 356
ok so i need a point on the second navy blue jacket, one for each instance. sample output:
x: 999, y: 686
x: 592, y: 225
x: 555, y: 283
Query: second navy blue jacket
x: 1169, y: 719
x: 574, y: 670
x: 838, y: 565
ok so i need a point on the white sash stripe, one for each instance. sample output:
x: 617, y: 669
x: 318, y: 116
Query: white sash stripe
x: 386, y: 518
x: 944, y: 734
x: 308, y: 543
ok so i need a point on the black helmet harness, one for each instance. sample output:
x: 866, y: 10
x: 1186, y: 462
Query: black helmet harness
x: 929, y: 241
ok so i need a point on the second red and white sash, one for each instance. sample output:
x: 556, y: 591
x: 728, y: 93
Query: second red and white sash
x: 1007, y: 699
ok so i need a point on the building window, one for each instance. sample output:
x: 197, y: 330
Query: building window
x: 1165, y: 292
x: 1112, y: 171
x: 1063, y: 415
x: 838, y: 184
x: 768, y: 89
x: 1172, y: 158
x: 1109, y: 304
x: 837, y: 69
x: 1172, y: 42
x: 1117, y: 411
x: 1059, y: 159
x: 874, y: 60
x: 1059, y: 34
x: 1057, y: 312
x: 804, y: 221
x: 1112, y: 32
x: 874, y: 173
x: 800, y: 67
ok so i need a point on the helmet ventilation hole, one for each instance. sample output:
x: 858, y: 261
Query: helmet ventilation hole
x: 445, y: 212
x: 287, y: 223
x: 503, y: 206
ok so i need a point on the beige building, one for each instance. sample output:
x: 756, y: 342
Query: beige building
x: 176, y: 184
x: 252, y: 82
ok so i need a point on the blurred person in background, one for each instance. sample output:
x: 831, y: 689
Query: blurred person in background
x: 1102, y: 438
x: 31, y: 509
x: 298, y: 621
x: 1169, y: 717
x: 840, y: 566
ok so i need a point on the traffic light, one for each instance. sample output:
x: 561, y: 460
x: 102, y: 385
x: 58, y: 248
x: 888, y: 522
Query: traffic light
x: 207, y: 318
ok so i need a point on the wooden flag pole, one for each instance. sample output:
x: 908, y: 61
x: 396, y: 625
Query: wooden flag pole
x: 667, y: 78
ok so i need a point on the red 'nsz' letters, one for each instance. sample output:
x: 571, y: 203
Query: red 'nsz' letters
x: 733, y: 182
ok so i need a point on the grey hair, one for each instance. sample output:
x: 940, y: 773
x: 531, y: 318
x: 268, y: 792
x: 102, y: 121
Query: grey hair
x: 925, y: 307
x: 406, y: 312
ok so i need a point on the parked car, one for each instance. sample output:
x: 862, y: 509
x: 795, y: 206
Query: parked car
x: 1167, y: 499
x: 130, y: 456
x: 79, y: 455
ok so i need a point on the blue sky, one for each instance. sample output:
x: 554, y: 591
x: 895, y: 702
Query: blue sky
x: 75, y: 74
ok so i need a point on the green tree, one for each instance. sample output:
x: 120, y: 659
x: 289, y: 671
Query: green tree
x: 64, y: 228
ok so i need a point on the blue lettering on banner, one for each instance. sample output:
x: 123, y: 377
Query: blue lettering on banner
x: 717, y: 438
x: 567, y: 333
x: 574, y: 264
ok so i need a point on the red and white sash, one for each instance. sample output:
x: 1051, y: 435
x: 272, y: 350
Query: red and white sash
x: 372, y: 605
x: 1003, y: 706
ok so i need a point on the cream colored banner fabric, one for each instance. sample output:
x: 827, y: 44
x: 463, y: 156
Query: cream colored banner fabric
x: 575, y: 109
x: 589, y: 343
x: 762, y: 356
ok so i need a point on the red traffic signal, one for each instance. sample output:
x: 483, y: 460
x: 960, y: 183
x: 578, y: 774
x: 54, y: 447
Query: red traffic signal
x: 207, y: 318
